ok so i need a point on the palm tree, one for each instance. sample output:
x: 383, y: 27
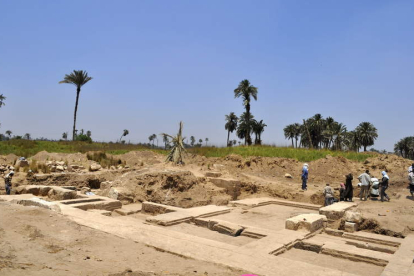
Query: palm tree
x: 246, y: 91
x: 367, y: 134
x: 193, y: 140
x: 89, y: 133
x: 297, y: 131
x: 231, y: 124
x: 124, y: 133
x: 65, y: 135
x: 78, y: 78
x: 244, y: 127
x: 9, y: 133
x: 165, y: 140
x: 258, y: 128
x: 150, y: 138
x: 27, y: 136
x: 200, y: 141
x: 290, y: 132
x: 206, y: 141
x: 154, y: 137
x: 339, y: 133
x: 2, y: 99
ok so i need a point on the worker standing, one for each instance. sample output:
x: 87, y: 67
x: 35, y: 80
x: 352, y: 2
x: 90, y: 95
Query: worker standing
x: 305, y: 173
x: 384, y: 186
x: 8, y: 182
x: 329, y: 195
x: 411, y: 182
x: 365, y: 182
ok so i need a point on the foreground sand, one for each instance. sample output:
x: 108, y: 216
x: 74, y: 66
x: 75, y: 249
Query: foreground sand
x: 36, y: 241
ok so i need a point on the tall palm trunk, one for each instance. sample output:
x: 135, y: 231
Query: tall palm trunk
x: 296, y: 138
x: 76, y: 110
x: 228, y: 137
x: 248, y: 138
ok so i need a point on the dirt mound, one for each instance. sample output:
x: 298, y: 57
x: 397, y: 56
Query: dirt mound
x: 44, y: 156
x: 138, y: 158
x: 9, y: 159
x: 176, y: 188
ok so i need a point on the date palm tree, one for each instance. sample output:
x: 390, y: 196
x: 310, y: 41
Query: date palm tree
x: 65, y: 135
x: 2, y: 99
x: 290, y: 131
x: 206, y: 141
x: 246, y: 91
x: 27, y: 136
x: 367, y: 134
x: 244, y: 128
x: 193, y: 140
x: 9, y: 133
x: 231, y: 124
x: 78, y: 78
x: 258, y: 128
x: 124, y: 133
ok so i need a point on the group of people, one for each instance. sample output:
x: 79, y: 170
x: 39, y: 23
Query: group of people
x: 367, y: 183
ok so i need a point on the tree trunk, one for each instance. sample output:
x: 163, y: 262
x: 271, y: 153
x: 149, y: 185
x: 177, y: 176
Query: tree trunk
x: 365, y: 148
x: 293, y: 146
x: 228, y: 137
x: 248, y: 138
x: 309, y: 136
x: 76, y: 110
x: 296, y: 138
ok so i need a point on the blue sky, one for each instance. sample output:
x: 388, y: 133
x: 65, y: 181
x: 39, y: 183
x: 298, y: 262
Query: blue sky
x: 155, y: 63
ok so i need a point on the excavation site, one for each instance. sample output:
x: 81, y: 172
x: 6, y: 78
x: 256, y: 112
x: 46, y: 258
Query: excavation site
x: 211, y: 216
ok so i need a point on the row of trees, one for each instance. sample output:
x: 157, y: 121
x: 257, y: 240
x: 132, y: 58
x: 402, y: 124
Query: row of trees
x: 318, y: 132
x: 405, y: 147
x: 245, y: 125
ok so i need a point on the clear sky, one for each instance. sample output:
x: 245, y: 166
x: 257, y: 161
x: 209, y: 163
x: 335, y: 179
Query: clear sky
x: 155, y: 63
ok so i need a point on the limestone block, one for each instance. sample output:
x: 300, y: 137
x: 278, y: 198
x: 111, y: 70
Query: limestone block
x: 58, y: 193
x: 39, y: 203
x: 337, y: 210
x: 307, y: 222
x: 353, y: 217
x: 288, y: 175
x: 213, y: 174
x: 351, y: 227
x: 95, y: 167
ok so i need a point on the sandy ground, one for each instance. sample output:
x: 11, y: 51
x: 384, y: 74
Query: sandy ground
x: 36, y: 241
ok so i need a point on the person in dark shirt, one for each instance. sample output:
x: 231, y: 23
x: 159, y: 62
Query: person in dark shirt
x: 349, y: 189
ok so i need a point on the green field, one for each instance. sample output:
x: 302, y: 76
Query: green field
x: 29, y: 148
x: 303, y: 155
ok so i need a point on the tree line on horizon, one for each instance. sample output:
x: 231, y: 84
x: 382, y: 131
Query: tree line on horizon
x: 326, y: 133
x: 315, y: 132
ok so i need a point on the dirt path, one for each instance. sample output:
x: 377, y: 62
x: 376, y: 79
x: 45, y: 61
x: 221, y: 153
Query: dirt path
x: 36, y: 241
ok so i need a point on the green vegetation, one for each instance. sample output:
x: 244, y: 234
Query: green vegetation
x: 302, y: 155
x: 318, y: 132
x: 405, y: 147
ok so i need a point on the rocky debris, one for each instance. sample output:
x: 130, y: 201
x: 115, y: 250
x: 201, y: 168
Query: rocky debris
x: 85, y: 190
x: 288, y: 175
x: 58, y: 193
x: 95, y: 167
x: 60, y: 168
x: 53, y: 192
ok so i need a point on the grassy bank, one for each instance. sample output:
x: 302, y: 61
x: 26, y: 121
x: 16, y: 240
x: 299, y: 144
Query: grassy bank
x: 29, y: 148
x: 303, y: 155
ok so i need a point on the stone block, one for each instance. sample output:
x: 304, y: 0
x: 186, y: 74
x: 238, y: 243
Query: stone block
x: 351, y: 227
x: 337, y: 210
x: 58, y: 193
x: 213, y: 174
x: 307, y: 222
x: 38, y: 203
x: 355, y: 217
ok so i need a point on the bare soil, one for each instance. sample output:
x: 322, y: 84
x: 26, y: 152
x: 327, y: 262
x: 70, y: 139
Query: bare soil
x: 36, y: 241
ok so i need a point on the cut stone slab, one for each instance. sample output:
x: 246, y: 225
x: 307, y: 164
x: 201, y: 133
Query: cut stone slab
x: 261, y: 201
x: 180, y: 215
x: 35, y: 201
x: 374, y: 238
x: 220, y: 226
x: 337, y: 210
x: 156, y: 208
x: 100, y: 212
x: 307, y: 222
x: 129, y: 209
x: 212, y: 174
x: 351, y: 227
x: 355, y: 217
x: 58, y: 193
